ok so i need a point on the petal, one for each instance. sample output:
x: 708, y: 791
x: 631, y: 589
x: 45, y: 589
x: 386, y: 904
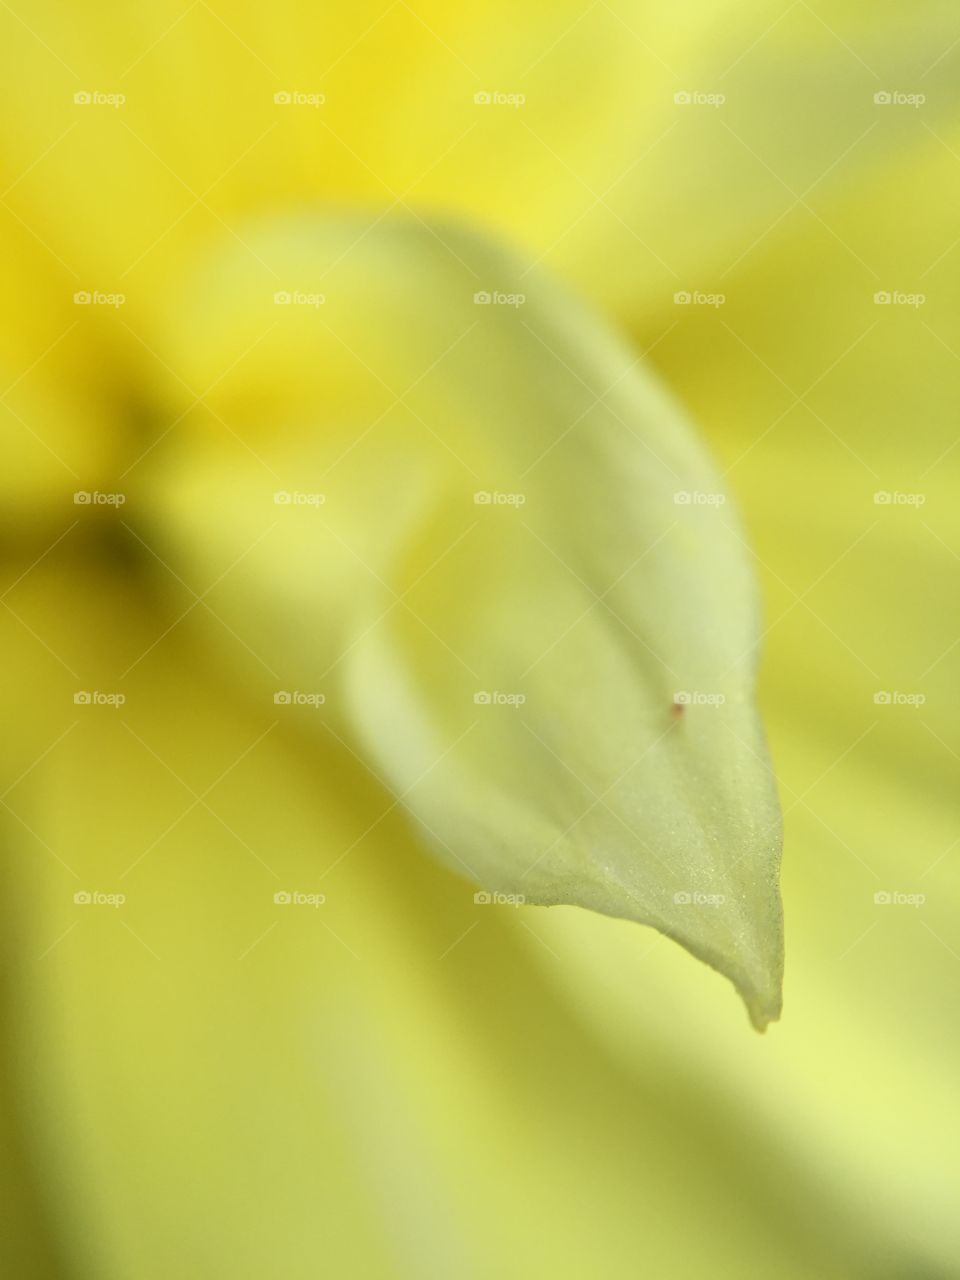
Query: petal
x: 503, y: 559
x: 288, y: 1082
x: 62, y: 394
x: 817, y: 400
x: 631, y: 193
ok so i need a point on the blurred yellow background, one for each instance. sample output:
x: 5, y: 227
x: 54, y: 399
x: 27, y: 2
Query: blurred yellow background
x: 398, y: 1083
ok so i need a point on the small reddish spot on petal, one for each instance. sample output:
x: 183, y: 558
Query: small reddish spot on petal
x: 676, y: 710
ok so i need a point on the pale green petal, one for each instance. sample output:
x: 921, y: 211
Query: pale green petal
x: 505, y: 562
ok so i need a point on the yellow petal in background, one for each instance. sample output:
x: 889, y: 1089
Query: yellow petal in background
x: 834, y: 419
x: 233, y: 1061
x: 633, y: 147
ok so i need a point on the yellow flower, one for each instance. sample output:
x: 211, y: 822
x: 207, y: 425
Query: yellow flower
x: 252, y: 1029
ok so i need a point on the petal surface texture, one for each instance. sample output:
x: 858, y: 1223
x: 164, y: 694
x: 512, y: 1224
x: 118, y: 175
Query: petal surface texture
x: 469, y: 521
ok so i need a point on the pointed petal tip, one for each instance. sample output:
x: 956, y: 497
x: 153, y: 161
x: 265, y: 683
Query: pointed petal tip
x: 763, y: 1009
